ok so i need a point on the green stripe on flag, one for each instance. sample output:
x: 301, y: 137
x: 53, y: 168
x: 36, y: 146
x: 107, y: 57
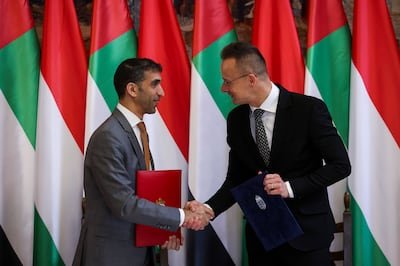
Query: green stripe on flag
x: 364, y: 241
x: 208, y: 65
x: 45, y: 251
x: 105, y: 61
x: 19, y: 79
x: 329, y: 63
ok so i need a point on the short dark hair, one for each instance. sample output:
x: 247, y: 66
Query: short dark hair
x: 248, y: 57
x: 133, y: 70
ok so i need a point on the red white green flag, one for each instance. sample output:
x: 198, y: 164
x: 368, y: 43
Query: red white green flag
x: 220, y: 243
x: 374, y: 139
x: 274, y: 33
x: 19, y: 80
x: 60, y: 136
x: 328, y: 77
x: 113, y: 40
x: 160, y: 39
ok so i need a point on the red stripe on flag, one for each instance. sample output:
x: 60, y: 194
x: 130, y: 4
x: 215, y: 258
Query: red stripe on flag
x: 160, y: 39
x: 63, y: 64
x: 274, y: 33
x: 16, y: 19
x: 376, y: 56
x: 215, y: 13
x: 113, y: 18
x: 321, y: 27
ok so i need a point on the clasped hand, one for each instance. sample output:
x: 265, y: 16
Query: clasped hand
x: 274, y: 185
x: 197, y: 215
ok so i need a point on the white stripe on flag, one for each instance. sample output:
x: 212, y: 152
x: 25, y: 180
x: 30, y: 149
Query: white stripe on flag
x: 96, y: 108
x: 208, y: 165
x: 17, y: 171
x: 167, y: 155
x: 59, y: 176
x: 310, y: 87
x: 337, y: 190
x: 375, y: 178
x: 207, y: 142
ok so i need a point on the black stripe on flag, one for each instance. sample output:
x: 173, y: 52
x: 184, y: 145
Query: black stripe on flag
x: 7, y: 254
x: 204, y: 248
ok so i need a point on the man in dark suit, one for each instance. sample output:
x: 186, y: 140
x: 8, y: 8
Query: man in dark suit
x: 114, y: 154
x: 304, y: 156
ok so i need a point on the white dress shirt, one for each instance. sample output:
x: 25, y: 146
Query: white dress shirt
x: 269, y: 106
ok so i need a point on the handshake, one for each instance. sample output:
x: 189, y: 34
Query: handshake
x: 197, y: 215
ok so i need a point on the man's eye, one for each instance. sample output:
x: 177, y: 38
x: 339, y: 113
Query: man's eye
x: 155, y: 83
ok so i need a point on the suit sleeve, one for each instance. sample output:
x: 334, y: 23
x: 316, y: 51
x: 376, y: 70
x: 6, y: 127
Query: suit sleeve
x: 113, y: 169
x: 325, y: 141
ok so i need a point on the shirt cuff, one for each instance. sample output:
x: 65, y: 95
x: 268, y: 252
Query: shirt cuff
x: 182, y: 217
x: 208, y: 206
x: 289, y: 189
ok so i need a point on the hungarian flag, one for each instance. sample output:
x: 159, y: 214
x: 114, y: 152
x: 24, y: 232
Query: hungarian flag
x: 60, y: 136
x: 374, y: 139
x: 274, y: 33
x: 113, y: 40
x: 19, y: 79
x: 328, y: 76
x: 220, y: 243
x: 160, y: 39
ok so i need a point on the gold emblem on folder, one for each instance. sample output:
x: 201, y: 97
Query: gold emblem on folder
x: 160, y: 201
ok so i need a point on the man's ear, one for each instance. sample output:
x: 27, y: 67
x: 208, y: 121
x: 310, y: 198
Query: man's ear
x: 253, y: 79
x: 131, y: 89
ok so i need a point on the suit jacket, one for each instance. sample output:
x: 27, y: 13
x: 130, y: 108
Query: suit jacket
x: 303, y: 139
x: 107, y: 237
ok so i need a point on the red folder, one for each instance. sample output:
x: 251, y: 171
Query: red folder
x: 162, y: 187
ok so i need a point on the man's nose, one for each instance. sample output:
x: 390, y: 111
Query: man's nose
x: 224, y: 87
x: 160, y: 91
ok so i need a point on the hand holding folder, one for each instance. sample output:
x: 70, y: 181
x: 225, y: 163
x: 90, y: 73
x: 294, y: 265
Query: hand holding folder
x: 269, y: 216
x: 162, y: 187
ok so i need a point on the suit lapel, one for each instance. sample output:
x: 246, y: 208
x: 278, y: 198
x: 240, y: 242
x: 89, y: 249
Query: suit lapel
x: 283, y: 120
x: 248, y: 144
x: 131, y: 136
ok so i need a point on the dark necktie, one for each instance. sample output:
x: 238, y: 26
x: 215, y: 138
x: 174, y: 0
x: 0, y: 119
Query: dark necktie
x: 145, y: 143
x: 261, y: 136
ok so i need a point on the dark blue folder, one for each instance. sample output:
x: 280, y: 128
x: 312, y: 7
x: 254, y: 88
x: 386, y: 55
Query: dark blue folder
x: 269, y: 216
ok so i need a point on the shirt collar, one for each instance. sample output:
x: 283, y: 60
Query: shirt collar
x: 270, y: 104
x: 130, y: 116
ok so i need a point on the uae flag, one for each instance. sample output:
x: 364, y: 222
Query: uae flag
x: 160, y: 39
x: 328, y: 78
x: 374, y: 139
x: 275, y: 34
x: 19, y: 79
x: 113, y: 40
x: 220, y: 243
x: 60, y: 136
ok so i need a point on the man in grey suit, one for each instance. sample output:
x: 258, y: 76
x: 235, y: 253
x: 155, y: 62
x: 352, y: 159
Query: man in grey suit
x: 113, y: 156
